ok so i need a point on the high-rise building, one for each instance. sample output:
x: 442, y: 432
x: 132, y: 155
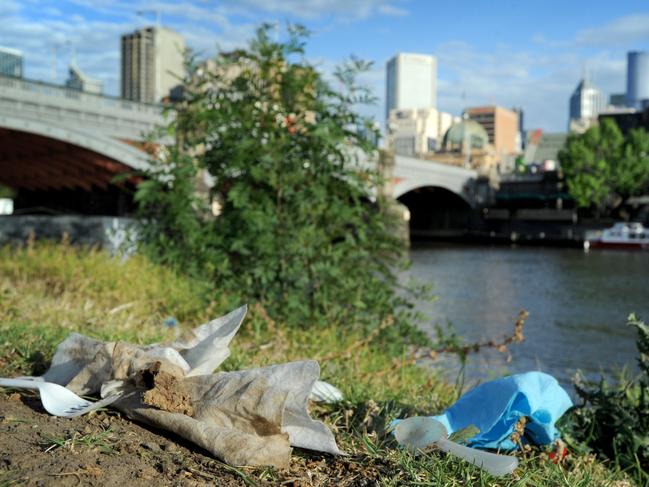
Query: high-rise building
x: 417, y: 132
x: 501, y: 126
x: 411, y: 82
x: 617, y: 99
x: 637, y: 79
x: 152, y: 64
x: 11, y: 62
x: 586, y: 103
x: 77, y: 80
x: 522, y: 136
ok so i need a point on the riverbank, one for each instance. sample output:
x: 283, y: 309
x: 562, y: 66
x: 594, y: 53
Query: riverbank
x: 546, y: 228
x: 49, y: 291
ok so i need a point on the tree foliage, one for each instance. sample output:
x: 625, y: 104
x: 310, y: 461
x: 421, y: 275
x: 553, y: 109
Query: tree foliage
x: 302, y: 227
x: 602, y: 166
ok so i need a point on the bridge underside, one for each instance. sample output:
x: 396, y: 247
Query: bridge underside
x: 436, y: 212
x: 57, y: 176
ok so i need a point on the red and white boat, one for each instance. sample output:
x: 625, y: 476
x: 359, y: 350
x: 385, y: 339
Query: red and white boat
x: 619, y: 236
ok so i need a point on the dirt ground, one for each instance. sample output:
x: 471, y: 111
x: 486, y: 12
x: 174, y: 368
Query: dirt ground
x: 104, y: 448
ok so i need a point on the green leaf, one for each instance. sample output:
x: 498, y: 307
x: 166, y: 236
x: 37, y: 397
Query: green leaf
x: 465, y: 434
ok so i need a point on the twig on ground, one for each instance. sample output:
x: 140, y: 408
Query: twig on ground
x: 464, y: 350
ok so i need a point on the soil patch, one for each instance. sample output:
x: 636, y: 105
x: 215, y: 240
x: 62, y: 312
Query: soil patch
x: 165, y: 392
x: 103, y: 448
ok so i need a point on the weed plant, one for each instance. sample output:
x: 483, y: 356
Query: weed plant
x: 613, y: 419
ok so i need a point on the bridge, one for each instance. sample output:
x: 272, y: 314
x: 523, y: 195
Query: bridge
x: 56, y: 139
x: 53, y: 138
x: 411, y: 174
x: 439, y: 197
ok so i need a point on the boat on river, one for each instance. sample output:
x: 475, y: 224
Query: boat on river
x: 620, y: 236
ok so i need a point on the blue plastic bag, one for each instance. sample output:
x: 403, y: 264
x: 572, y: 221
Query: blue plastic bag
x: 496, y: 406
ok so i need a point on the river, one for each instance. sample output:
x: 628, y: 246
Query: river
x: 578, y: 304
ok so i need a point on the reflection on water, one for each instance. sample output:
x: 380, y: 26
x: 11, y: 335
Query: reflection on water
x: 578, y: 304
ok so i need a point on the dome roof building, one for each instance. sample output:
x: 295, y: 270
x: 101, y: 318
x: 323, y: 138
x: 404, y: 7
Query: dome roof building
x: 467, y: 132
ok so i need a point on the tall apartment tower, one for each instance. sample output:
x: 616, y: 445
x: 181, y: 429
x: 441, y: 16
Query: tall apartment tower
x: 637, y: 79
x: 411, y: 82
x: 586, y: 103
x: 11, y: 62
x: 152, y: 64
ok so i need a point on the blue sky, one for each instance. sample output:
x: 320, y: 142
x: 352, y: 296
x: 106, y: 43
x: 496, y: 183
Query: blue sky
x: 510, y: 53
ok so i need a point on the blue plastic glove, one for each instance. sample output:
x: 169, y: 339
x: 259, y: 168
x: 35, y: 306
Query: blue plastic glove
x: 496, y: 406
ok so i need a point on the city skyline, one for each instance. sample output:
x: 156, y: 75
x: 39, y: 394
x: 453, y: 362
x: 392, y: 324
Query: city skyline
x: 503, y: 53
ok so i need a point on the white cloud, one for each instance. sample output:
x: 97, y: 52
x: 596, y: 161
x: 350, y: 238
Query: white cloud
x: 316, y: 9
x: 623, y: 32
x: 541, y: 84
x: 393, y: 11
x: 8, y: 8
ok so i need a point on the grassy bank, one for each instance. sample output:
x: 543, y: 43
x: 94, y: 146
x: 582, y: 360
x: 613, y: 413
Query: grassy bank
x: 48, y: 291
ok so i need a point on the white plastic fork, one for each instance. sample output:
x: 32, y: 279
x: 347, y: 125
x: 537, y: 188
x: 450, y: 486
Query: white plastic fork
x: 419, y: 432
x: 58, y: 400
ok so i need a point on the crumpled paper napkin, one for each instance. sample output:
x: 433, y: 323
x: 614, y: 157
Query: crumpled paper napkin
x: 247, y: 417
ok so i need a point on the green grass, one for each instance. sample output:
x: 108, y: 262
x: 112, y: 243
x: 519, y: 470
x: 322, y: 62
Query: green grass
x: 50, y: 290
x: 103, y: 441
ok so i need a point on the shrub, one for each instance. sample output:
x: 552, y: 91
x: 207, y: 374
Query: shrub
x: 303, y: 228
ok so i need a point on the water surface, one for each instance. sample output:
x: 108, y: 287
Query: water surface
x: 578, y: 304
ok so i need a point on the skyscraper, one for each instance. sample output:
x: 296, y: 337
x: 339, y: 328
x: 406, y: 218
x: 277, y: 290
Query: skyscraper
x: 411, y: 82
x: 521, y: 127
x: 152, y: 64
x: 637, y: 79
x: 11, y: 62
x: 586, y: 103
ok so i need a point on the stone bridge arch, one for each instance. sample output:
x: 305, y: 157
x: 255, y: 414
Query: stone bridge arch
x: 436, y: 211
x: 94, y: 141
x: 61, y: 170
x: 439, y: 197
x: 411, y: 173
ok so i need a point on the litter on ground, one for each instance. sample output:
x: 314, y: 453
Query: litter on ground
x: 247, y: 417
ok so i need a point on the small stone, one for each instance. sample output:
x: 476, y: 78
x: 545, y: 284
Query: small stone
x: 14, y: 397
x: 151, y: 446
x: 170, y: 448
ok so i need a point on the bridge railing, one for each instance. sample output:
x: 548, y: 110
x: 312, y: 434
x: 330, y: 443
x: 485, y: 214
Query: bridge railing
x: 88, y: 99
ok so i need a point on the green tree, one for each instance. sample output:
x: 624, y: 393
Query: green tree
x: 632, y: 170
x: 587, y: 161
x: 302, y: 227
x: 602, y: 166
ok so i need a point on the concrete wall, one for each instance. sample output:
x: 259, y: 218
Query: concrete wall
x: 110, y: 233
